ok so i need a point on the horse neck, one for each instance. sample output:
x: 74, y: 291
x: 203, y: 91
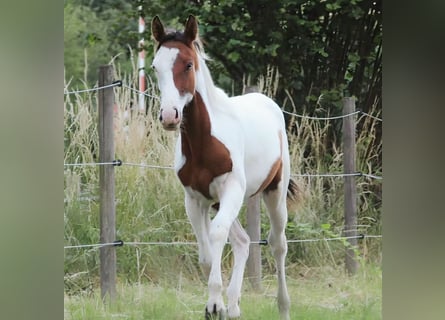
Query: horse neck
x: 200, y: 112
x: 213, y: 97
x: 195, y: 128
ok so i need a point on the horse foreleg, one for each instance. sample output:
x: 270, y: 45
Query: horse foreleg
x: 240, y: 244
x: 231, y: 199
x: 200, y: 220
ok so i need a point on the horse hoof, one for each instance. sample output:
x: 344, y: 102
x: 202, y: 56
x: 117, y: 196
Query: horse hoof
x: 215, y: 315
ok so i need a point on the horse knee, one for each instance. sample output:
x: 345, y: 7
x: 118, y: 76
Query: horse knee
x: 245, y: 250
x: 278, y: 245
x: 218, y: 234
x: 243, y: 247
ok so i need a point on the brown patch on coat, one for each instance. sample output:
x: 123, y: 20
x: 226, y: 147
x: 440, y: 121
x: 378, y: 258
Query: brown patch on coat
x: 275, y: 173
x: 206, y: 156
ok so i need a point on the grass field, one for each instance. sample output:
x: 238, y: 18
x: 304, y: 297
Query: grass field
x: 324, y: 294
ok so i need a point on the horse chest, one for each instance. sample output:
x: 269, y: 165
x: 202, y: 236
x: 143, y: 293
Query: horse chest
x: 205, y: 159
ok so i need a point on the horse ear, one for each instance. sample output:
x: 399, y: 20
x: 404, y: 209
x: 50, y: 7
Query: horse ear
x: 191, y: 29
x: 157, y: 29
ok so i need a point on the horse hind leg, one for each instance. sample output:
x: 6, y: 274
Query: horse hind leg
x: 240, y: 242
x: 275, y: 201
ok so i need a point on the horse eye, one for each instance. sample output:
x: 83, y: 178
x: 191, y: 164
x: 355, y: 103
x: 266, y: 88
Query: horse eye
x: 189, y: 66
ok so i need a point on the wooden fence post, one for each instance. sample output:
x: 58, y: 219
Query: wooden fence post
x: 253, y: 229
x: 350, y: 209
x: 106, y: 180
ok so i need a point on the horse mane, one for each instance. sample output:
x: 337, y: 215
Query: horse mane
x: 217, y: 97
x: 171, y: 35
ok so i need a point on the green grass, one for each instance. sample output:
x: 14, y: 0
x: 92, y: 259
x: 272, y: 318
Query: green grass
x: 317, y: 294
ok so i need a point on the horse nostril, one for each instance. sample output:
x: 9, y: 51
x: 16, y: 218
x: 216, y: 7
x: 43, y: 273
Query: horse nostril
x: 176, y: 114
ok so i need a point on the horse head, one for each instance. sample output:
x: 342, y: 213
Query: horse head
x: 175, y: 64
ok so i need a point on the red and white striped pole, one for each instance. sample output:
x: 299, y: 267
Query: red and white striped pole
x: 141, y: 60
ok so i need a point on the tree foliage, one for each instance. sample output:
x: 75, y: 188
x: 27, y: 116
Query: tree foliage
x: 96, y: 32
x: 319, y: 47
x: 322, y: 49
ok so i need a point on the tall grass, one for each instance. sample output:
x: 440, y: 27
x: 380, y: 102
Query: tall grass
x: 149, y: 201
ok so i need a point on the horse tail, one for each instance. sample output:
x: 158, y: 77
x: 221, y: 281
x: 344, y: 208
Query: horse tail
x: 294, y: 194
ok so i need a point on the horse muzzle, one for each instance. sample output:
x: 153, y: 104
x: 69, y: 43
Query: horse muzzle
x: 170, y: 118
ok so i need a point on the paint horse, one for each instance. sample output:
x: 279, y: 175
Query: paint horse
x: 228, y: 149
